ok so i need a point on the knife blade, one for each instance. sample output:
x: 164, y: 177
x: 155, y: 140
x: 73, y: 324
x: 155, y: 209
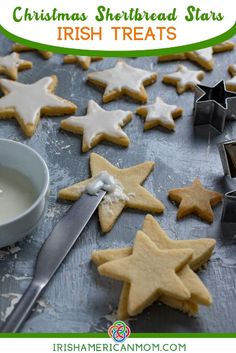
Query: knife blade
x: 53, y: 252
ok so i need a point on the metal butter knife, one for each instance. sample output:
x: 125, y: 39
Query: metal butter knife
x: 52, y: 253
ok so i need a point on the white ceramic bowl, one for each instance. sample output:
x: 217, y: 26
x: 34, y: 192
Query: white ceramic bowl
x: 25, y: 160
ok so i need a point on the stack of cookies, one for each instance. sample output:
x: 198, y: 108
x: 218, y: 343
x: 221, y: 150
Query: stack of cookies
x: 157, y: 268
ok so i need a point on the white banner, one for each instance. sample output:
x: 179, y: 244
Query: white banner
x: 117, y: 25
x: 49, y: 345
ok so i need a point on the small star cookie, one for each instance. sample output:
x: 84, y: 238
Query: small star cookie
x: 203, y: 57
x: 128, y: 194
x: 202, y: 250
x: 21, y: 48
x: 83, y: 61
x: 11, y: 64
x: 195, y: 199
x: 184, y: 79
x: 151, y: 273
x: 123, y: 79
x: 98, y: 125
x: 159, y: 113
x: 231, y: 83
x: 26, y: 102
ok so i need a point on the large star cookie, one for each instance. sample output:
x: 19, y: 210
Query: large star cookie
x: 11, y: 64
x: 22, y: 48
x: 195, y: 199
x: 202, y: 250
x: 184, y: 79
x: 231, y: 83
x: 128, y: 193
x: 151, y: 273
x: 123, y: 79
x: 27, y: 102
x: 159, y: 113
x: 98, y: 125
x: 83, y: 61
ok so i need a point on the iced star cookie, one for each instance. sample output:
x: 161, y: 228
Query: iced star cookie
x: 231, y: 83
x: 21, y: 48
x: 128, y: 192
x: 123, y: 79
x: 83, y: 61
x: 202, y: 250
x: 203, y: 57
x: 98, y: 125
x: 184, y: 79
x: 195, y: 199
x: 151, y: 273
x: 27, y: 102
x: 159, y: 113
x: 11, y: 64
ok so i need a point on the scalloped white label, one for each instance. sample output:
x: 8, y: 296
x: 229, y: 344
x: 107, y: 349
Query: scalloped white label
x: 117, y: 25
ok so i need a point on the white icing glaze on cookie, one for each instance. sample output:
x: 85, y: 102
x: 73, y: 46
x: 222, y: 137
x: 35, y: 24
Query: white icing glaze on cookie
x: 103, y: 181
x: 205, y: 53
x: 98, y: 121
x: 29, y: 99
x: 122, y: 76
x: 185, y: 77
x: 11, y: 61
x: 160, y: 112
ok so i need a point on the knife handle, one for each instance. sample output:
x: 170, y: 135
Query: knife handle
x: 23, y: 308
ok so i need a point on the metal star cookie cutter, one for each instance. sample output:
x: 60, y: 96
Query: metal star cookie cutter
x: 213, y: 105
x: 227, y: 150
x: 229, y: 207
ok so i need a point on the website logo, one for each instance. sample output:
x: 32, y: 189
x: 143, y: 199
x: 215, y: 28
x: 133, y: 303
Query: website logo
x: 119, y: 331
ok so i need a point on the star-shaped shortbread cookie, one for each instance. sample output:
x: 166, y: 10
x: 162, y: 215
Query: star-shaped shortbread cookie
x: 184, y: 79
x: 83, y: 61
x: 21, y: 48
x: 129, y: 192
x: 151, y: 273
x: 231, y: 83
x: 203, y: 57
x: 202, y: 250
x: 27, y: 102
x: 123, y: 79
x: 159, y: 113
x: 195, y: 199
x: 98, y: 125
x: 11, y: 64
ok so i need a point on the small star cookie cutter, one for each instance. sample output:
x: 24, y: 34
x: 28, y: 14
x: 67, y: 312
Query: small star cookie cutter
x: 213, y: 105
x: 227, y: 150
x: 229, y: 207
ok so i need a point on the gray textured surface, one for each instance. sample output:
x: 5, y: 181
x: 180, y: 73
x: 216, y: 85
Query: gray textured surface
x: 78, y: 299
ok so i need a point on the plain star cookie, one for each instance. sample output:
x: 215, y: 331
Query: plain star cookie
x: 123, y: 79
x: 27, y: 102
x: 22, y: 48
x: 151, y: 272
x: 223, y: 47
x: 231, y: 83
x: 128, y: 192
x: 83, y: 61
x: 184, y: 79
x: 195, y: 199
x: 11, y: 64
x: 98, y: 125
x: 202, y: 250
x: 159, y: 113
